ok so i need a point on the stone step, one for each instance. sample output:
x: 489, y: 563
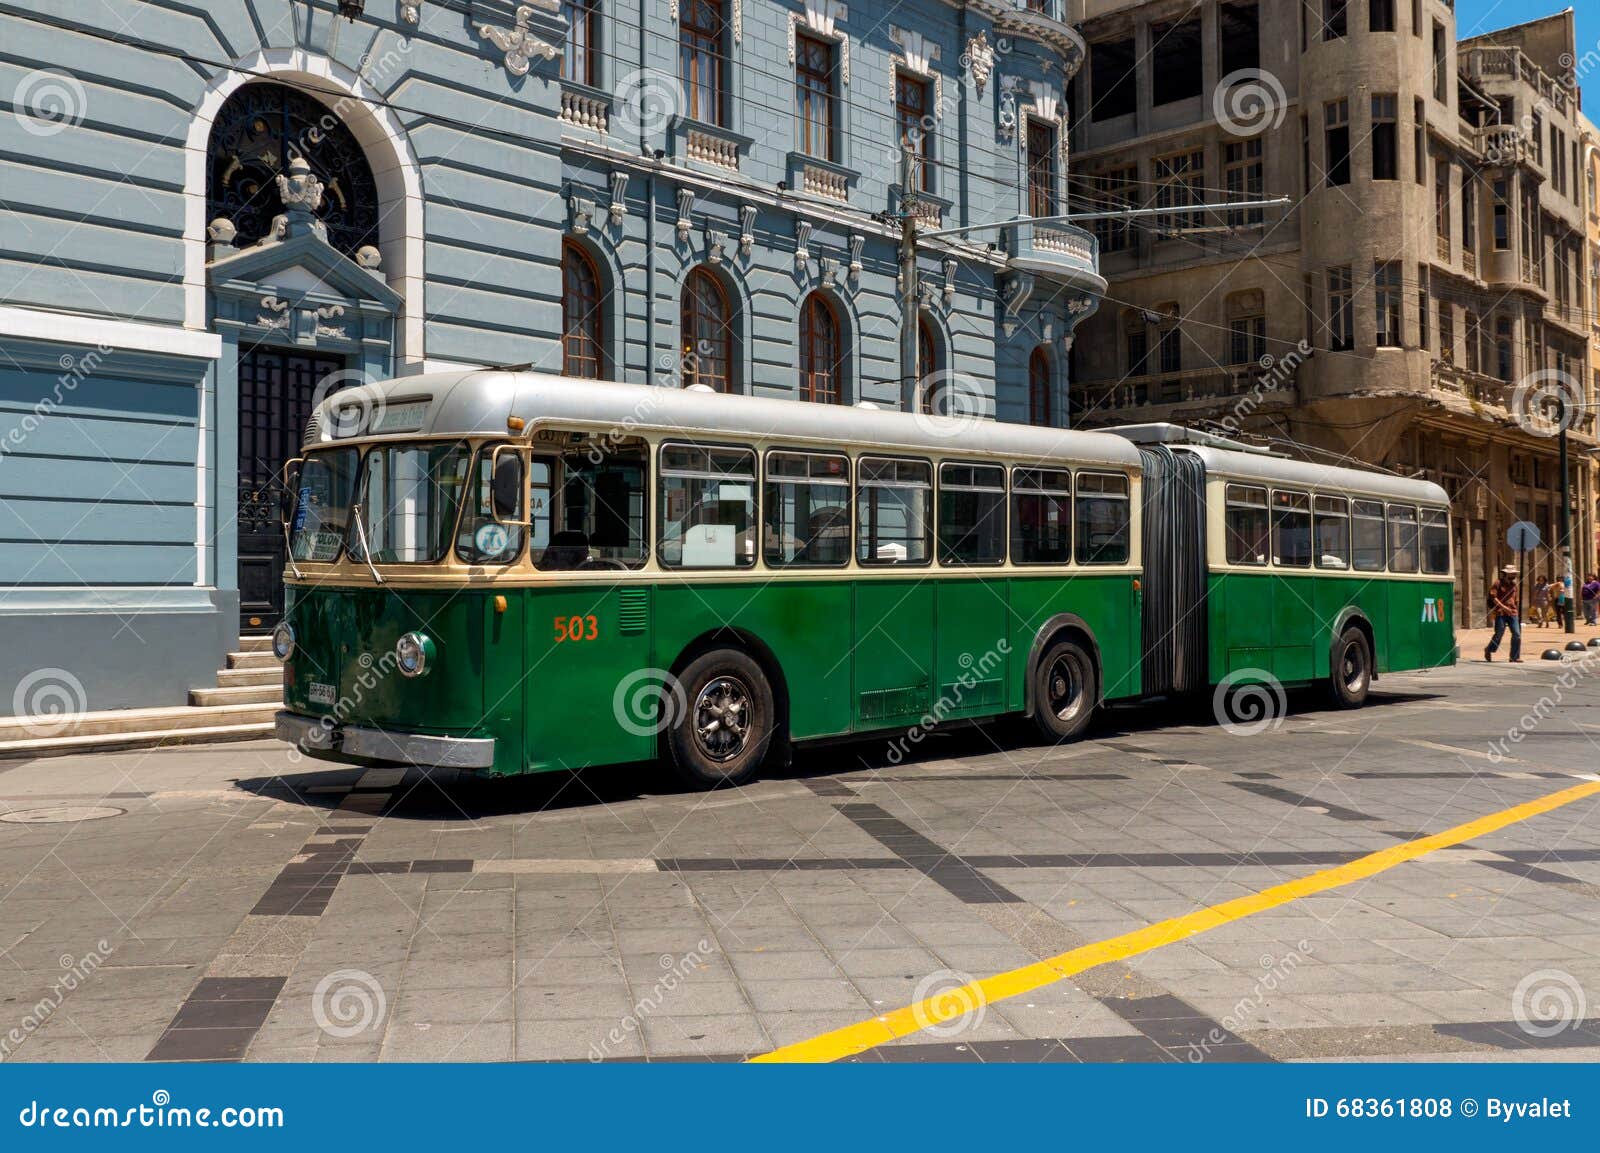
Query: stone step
x: 154, y: 738
x: 255, y: 644
x: 249, y: 660
x: 118, y: 722
x: 238, y: 695
x: 233, y: 678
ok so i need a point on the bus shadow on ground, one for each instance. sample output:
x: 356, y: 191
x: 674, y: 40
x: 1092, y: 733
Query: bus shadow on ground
x: 448, y: 795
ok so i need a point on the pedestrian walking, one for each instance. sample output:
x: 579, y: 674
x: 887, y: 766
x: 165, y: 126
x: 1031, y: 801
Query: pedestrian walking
x: 1503, y: 601
x: 1591, y: 599
x: 1539, y: 603
x: 1564, y: 602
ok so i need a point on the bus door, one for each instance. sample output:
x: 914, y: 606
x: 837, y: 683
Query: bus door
x: 892, y: 662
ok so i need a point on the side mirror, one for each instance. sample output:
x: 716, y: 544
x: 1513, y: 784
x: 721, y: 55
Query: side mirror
x: 289, y: 496
x: 507, y: 484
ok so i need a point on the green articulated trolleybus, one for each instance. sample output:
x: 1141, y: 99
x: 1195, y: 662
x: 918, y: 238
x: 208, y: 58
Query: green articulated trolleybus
x: 512, y: 572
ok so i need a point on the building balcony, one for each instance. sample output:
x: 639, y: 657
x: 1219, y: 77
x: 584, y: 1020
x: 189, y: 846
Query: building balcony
x: 1199, y: 392
x: 1492, y: 62
x: 585, y: 107
x: 1502, y: 145
x: 1048, y: 22
x: 1056, y: 250
x: 821, y: 178
x: 707, y: 145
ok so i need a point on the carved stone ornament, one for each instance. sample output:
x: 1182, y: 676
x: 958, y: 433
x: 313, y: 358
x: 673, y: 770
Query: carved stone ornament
x: 949, y: 282
x: 1014, y: 293
x: 299, y: 187
x: 802, y: 245
x: 411, y: 11
x: 716, y: 246
x: 581, y: 209
x: 619, y: 196
x: 1008, y: 107
x: 857, y: 243
x: 747, y: 229
x: 979, y: 59
x: 685, y: 209
x: 820, y: 18
x: 519, y: 44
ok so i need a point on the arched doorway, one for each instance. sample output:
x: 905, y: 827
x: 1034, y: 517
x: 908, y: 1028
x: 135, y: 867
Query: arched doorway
x: 291, y: 267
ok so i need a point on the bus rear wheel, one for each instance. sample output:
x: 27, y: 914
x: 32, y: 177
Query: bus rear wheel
x: 1351, y: 675
x: 1065, y: 690
x: 726, y: 726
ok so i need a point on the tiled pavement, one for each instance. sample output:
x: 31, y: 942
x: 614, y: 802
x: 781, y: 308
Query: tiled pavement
x: 253, y: 907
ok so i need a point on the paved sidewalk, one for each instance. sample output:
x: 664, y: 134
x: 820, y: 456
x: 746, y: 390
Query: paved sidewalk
x: 1535, y: 639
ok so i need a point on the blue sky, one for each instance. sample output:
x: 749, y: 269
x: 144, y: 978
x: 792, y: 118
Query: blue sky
x: 1477, y: 16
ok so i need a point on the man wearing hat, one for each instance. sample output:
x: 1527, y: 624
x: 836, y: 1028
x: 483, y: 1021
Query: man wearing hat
x: 1503, y: 604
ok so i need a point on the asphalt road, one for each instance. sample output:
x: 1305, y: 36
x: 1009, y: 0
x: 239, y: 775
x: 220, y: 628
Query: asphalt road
x: 964, y: 897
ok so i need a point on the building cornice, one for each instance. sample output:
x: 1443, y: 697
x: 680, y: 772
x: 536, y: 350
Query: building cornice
x: 1010, y: 17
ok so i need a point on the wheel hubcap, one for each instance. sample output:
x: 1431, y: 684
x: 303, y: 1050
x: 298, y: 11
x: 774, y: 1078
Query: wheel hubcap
x: 722, y: 718
x: 1065, y: 689
x: 1355, y: 668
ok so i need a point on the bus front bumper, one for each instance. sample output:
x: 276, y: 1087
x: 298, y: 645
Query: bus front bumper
x: 381, y: 745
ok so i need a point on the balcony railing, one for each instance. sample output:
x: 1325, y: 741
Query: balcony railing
x: 1049, y: 248
x: 1196, y: 385
x: 1474, y: 386
x: 1502, y: 144
x: 1442, y: 247
x: 1469, y: 261
x: 1510, y: 63
x: 585, y: 107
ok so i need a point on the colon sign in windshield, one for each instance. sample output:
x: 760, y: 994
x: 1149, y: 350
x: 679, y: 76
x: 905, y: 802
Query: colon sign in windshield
x: 408, y: 499
x: 322, y: 505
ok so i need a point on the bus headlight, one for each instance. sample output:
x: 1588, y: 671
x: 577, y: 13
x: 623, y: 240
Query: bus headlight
x: 415, y: 653
x: 283, y: 641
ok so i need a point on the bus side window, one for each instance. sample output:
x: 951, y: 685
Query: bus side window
x: 481, y: 539
x: 1104, y: 518
x: 1291, y: 529
x: 1041, y: 516
x: 894, y: 511
x: 1366, y: 535
x: 1247, y: 524
x: 1332, y: 531
x: 972, y: 514
x: 807, y: 510
x: 1435, y: 542
x: 1402, y: 538
x: 708, y: 506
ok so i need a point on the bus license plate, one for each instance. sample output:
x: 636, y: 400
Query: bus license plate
x: 322, y: 694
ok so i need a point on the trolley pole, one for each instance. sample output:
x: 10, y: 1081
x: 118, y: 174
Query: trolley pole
x: 909, y: 289
x: 1569, y: 580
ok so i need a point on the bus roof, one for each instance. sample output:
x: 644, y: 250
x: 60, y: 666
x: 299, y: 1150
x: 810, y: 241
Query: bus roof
x: 479, y: 403
x: 1256, y: 466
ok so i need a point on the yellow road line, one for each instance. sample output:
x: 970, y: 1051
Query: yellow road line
x: 953, y: 1003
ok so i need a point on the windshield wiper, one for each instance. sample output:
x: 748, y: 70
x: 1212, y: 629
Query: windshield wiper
x: 288, y: 550
x: 366, y: 550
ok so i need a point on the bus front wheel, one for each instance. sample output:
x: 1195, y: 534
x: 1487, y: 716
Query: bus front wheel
x: 726, y: 724
x: 1351, y: 675
x: 1065, y: 689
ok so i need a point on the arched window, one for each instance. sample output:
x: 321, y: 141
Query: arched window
x: 707, y: 332
x: 1041, y: 410
x: 821, y: 351
x: 582, y: 315
x: 255, y: 134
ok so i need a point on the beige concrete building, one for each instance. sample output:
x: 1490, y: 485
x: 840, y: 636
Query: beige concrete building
x: 1419, y: 299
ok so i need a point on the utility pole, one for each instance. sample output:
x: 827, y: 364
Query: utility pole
x: 909, y: 289
x: 1569, y: 581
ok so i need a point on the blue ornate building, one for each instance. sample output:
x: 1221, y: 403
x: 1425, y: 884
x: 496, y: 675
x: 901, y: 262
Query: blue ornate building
x: 211, y: 215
